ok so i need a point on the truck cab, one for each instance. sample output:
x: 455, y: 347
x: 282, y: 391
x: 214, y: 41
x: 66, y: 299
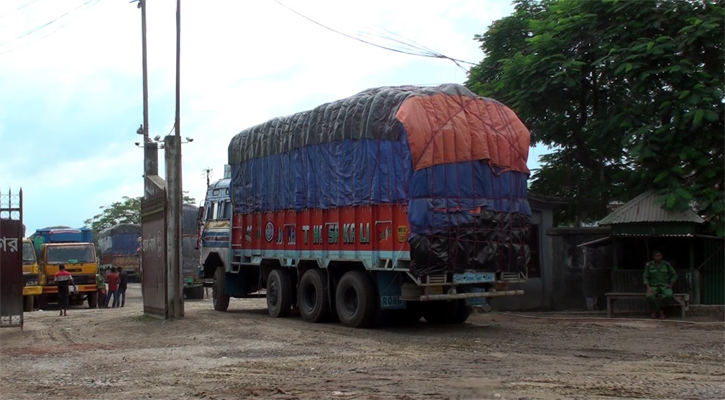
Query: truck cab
x: 31, y: 271
x: 215, y: 228
x: 74, y: 249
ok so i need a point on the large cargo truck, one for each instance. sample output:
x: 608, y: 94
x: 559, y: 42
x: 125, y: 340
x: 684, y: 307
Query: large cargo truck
x: 31, y: 277
x: 75, y: 249
x: 402, y: 202
x: 118, y: 247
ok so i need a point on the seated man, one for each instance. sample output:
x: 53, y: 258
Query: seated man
x: 659, y: 276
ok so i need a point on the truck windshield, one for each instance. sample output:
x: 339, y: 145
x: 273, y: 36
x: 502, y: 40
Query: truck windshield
x: 28, y: 254
x: 70, y: 254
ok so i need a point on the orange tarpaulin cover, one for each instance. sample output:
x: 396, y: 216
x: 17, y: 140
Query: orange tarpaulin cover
x: 446, y: 128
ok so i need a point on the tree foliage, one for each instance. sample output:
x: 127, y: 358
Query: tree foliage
x: 127, y: 211
x: 627, y: 94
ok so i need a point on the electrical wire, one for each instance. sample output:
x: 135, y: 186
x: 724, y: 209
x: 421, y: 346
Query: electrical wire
x: 88, y: 4
x: 408, y: 46
x: 18, y: 9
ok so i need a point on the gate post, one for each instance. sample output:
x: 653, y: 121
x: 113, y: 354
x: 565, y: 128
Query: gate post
x: 153, y: 255
x: 11, y: 259
x: 172, y: 144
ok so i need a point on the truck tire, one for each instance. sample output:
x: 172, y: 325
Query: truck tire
x: 193, y: 293
x: 218, y: 298
x: 462, y: 313
x: 27, y: 303
x: 41, y: 301
x: 313, y: 297
x: 355, y: 300
x: 279, y: 293
x: 93, y: 300
x: 440, y: 312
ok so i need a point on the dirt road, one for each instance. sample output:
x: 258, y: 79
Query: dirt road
x: 243, y: 353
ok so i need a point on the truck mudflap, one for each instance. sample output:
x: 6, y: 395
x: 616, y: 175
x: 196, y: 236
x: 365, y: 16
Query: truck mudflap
x: 474, y: 295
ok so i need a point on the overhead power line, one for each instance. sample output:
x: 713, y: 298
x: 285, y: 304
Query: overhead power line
x: 396, y: 42
x: 69, y: 14
x: 18, y: 8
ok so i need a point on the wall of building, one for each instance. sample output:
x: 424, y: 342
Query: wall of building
x: 537, y: 289
x: 580, y: 275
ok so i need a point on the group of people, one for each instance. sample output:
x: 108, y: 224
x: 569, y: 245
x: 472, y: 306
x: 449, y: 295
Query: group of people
x: 117, y: 281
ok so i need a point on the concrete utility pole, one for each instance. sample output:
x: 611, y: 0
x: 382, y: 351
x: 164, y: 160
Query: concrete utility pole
x: 151, y: 151
x: 172, y: 144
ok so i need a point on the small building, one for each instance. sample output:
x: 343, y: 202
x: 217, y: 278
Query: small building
x: 640, y: 227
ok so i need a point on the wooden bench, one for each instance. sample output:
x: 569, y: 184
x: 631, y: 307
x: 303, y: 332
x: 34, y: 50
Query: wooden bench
x: 682, y: 299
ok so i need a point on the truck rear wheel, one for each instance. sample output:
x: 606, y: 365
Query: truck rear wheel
x: 355, y: 300
x: 279, y: 293
x: 462, y: 312
x: 313, y: 296
x: 27, y: 303
x: 93, y: 300
x: 218, y: 298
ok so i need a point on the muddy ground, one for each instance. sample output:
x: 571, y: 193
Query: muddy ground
x: 243, y: 353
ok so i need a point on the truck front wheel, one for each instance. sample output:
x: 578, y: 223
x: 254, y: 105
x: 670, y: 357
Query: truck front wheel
x: 355, y: 300
x: 93, y: 300
x: 219, y: 299
x: 313, y: 297
x: 27, y: 303
x: 279, y: 293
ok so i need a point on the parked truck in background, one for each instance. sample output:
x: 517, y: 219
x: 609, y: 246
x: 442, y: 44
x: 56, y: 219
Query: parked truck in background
x: 118, y: 247
x: 31, y: 277
x: 215, y: 221
x: 73, y: 248
x: 401, y: 202
x: 193, y: 283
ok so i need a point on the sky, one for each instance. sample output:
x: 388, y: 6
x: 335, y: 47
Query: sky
x: 71, y: 82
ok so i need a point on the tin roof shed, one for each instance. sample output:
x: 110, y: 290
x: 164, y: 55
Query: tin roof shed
x: 645, y: 216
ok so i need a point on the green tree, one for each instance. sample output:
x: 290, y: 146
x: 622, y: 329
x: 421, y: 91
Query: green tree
x: 127, y: 211
x: 627, y: 94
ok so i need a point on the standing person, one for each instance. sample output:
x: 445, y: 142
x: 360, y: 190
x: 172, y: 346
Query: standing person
x: 63, y: 280
x: 113, y: 280
x: 101, y: 286
x: 123, y: 283
x: 659, y: 276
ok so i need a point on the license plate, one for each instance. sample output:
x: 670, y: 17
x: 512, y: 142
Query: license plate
x: 474, y: 277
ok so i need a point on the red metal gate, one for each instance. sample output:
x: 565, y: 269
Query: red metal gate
x: 153, y: 255
x: 11, y: 259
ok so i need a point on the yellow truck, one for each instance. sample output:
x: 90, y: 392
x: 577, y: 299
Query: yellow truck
x: 74, y: 249
x: 31, y: 271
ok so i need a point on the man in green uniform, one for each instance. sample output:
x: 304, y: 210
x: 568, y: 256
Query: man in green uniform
x: 659, y: 276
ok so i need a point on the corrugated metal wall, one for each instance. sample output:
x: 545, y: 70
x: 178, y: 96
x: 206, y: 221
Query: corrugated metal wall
x: 713, y: 272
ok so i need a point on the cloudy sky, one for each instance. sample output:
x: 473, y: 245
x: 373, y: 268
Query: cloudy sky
x: 71, y: 88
